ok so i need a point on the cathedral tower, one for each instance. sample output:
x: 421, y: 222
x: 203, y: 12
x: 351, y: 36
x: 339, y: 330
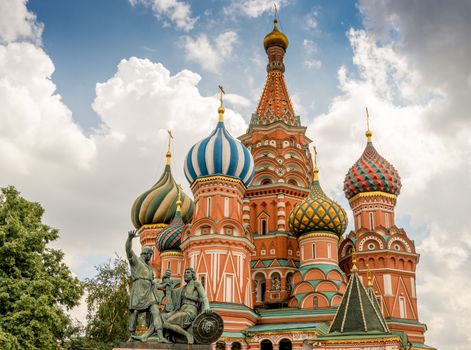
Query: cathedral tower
x: 318, y: 222
x: 218, y: 246
x: 371, y: 186
x: 283, y: 173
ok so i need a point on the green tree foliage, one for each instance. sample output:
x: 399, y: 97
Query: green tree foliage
x: 107, y: 304
x: 36, y: 287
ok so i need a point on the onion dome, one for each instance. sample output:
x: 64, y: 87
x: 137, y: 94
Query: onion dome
x: 275, y: 38
x: 371, y: 173
x: 170, y: 236
x: 219, y: 154
x: 317, y: 213
x: 158, y: 205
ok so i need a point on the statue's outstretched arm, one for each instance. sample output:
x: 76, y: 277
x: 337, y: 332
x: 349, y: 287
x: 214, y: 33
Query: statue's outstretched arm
x: 128, y: 245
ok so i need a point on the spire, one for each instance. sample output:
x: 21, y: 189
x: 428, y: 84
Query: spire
x: 369, y: 276
x: 315, y: 170
x: 275, y: 103
x: 179, y: 201
x: 169, y: 155
x: 221, y: 107
x: 368, y: 132
x: 354, y: 262
x: 357, y: 312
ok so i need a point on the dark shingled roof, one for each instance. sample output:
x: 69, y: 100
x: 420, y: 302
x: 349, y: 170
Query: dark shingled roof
x: 357, y: 312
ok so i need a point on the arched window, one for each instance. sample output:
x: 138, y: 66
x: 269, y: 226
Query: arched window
x: 285, y: 344
x: 260, y: 287
x: 289, y: 281
x: 266, y: 182
x: 266, y: 345
x: 292, y: 182
x: 235, y: 346
x: 315, y: 301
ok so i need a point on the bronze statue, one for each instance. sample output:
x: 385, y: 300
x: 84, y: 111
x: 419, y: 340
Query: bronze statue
x: 186, y: 317
x: 189, y: 301
x: 143, y: 298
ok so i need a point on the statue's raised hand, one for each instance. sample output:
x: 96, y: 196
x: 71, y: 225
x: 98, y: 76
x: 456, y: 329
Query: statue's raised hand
x: 132, y: 233
x: 167, y: 274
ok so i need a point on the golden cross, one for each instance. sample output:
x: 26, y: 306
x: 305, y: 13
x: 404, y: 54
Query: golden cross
x: 367, y: 119
x: 221, y: 93
x: 179, y: 191
x: 170, y: 137
x: 276, y: 10
x: 315, y: 157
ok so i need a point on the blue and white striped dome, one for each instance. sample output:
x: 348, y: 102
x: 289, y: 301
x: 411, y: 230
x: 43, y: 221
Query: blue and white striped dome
x: 219, y: 154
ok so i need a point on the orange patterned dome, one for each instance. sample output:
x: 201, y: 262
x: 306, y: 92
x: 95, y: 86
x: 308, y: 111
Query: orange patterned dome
x: 275, y: 38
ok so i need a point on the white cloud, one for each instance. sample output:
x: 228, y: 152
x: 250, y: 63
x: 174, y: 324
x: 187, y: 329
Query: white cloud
x: 310, y: 48
x: 16, y: 22
x: 177, y: 12
x: 312, y: 64
x: 210, y: 53
x: 254, y: 8
x: 36, y: 126
x: 434, y: 167
x: 311, y: 19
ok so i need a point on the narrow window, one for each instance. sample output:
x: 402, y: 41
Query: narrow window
x: 387, y: 285
x: 402, y: 307
x: 372, y: 222
x: 412, y: 287
x: 226, y: 207
x: 208, y: 209
x: 359, y: 220
x: 315, y: 302
x: 329, y: 251
x: 263, y: 226
x: 229, y: 289
x: 386, y: 219
x: 313, y: 251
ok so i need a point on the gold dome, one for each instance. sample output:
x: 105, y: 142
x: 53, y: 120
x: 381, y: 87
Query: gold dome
x: 275, y: 38
x: 317, y: 212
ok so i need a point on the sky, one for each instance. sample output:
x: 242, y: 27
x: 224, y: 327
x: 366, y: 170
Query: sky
x: 89, y: 88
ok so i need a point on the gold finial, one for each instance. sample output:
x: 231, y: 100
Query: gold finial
x: 221, y: 107
x: 179, y: 201
x: 315, y: 170
x: 354, y: 261
x: 169, y: 155
x: 368, y: 132
x: 369, y: 276
x: 276, y: 13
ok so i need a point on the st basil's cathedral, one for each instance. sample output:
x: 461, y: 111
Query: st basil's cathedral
x: 267, y: 242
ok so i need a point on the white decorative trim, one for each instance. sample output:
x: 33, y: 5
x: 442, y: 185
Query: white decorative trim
x: 400, y: 239
x: 374, y: 238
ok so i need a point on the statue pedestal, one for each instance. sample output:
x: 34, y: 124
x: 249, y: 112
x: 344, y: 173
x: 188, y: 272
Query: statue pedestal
x: 137, y: 345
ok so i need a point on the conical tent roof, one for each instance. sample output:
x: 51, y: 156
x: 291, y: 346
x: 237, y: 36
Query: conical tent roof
x: 357, y: 313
